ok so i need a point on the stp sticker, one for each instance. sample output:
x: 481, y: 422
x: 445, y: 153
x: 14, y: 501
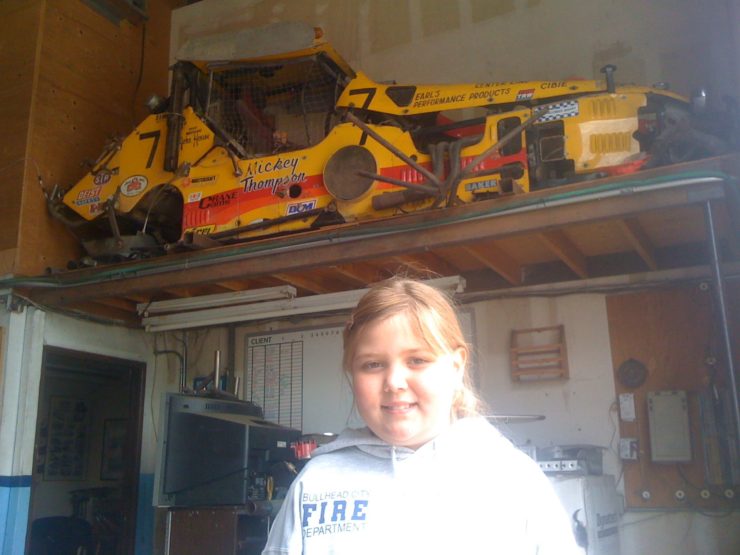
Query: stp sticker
x: 134, y: 185
x: 102, y: 177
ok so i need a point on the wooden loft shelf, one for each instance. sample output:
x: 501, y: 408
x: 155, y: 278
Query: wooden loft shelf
x: 643, y: 224
x: 538, y: 361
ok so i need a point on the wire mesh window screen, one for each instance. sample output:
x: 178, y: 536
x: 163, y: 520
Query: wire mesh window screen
x: 274, y: 108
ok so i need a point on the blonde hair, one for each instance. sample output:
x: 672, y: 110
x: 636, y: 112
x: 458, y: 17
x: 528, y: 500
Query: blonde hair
x: 432, y: 313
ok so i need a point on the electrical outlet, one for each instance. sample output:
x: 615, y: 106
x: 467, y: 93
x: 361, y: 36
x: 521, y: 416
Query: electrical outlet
x: 628, y: 448
x: 627, y: 407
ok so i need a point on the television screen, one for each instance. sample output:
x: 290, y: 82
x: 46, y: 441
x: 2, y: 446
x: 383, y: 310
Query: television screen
x: 219, y: 452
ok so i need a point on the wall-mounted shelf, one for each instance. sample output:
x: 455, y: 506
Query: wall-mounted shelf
x: 539, y: 353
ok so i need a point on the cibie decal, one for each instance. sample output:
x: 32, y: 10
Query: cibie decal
x: 134, y: 185
x: 560, y: 110
x: 525, y: 94
x: 300, y: 207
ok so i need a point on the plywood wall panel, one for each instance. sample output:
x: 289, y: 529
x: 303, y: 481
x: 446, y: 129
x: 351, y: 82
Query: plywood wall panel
x: 672, y: 332
x: 86, y: 92
x: 18, y: 60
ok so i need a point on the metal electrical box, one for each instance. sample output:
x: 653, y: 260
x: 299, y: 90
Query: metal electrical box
x: 668, y: 419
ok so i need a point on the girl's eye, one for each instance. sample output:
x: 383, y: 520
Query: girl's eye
x: 419, y: 361
x: 371, y: 365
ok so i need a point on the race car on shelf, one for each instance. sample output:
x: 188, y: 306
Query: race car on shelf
x: 253, y: 142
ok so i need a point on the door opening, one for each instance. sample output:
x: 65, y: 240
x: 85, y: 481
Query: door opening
x: 86, y: 454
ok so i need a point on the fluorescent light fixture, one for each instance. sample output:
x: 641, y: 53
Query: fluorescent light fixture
x: 343, y: 300
x: 213, y: 301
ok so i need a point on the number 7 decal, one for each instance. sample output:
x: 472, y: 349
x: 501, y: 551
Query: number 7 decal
x: 151, y: 135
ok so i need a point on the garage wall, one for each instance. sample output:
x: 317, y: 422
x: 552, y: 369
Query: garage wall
x: 75, y: 79
x: 683, y: 42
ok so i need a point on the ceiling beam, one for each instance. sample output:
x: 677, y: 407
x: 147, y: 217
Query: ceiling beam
x: 498, y: 260
x: 639, y: 240
x: 424, y: 262
x: 360, y: 272
x: 560, y: 244
x: 303, y: 282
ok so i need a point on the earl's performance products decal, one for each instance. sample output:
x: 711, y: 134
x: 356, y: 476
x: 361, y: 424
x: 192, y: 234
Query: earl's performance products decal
x: 334, y: 512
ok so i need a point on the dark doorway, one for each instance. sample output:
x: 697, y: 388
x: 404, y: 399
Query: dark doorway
x: 87, y: 452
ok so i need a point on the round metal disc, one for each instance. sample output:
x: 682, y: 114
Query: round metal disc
x: 632, y: 373
x: 341, y: 176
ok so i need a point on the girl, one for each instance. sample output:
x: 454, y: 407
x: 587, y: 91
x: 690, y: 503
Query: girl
x: 427, y: 475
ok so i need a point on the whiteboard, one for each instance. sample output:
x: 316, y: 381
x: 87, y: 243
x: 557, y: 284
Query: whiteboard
x: 296, y: 376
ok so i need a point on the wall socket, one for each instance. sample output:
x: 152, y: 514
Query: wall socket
x: 627, y: 407
x: 628, y: 448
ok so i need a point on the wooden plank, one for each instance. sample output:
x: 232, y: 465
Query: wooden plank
x: 669, y: 331
x: 639, y: 240
x: 303, y: 282
x: 497, y: 260
x: 566, y: 250
x: 362, y: 273
x: 118, y: 303
x: 234, y: 262
x: 427, y: 263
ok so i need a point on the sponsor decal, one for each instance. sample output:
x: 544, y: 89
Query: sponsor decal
x: 525, y: 94
x: 255, y: 180
x: 560, y: 110
x: 88, y: 196
x: 205, y: 179
x: 203, y: 230
x: 97, y: 208
x: 552, y: 84
x: 195, y: 136
x: 478, y: 185
x: 102, y: 177
x: 134, y: 185
x: 195, y: 197
x: 490, y: 93
x: 432, y: 98
x: 300, y: 207
x: 221, y: 199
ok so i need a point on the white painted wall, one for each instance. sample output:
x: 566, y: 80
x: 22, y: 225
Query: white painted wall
x: 687, y: 43
x: 579, y: 410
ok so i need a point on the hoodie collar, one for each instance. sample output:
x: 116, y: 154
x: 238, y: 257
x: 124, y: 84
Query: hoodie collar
x: 461, y: 431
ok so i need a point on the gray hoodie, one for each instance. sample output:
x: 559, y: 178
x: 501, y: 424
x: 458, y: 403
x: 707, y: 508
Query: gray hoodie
x: 469, y: 490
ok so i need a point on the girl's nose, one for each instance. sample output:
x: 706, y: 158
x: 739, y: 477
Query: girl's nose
x: 395, y: 377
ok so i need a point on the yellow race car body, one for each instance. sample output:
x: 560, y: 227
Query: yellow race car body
x: 284, y: 142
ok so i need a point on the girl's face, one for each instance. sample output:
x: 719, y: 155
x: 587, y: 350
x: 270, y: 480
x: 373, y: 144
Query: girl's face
x: 403, y: 389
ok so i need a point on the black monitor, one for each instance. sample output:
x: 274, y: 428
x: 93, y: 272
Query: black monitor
x: 218, y: 452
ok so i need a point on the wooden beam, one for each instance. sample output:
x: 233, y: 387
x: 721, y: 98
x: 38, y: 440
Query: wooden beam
x: 232, y: 285
x: 498, y: 260
x: 425, y: 262
x: 117, y: 302
x: 302, y: 282
x: 236, y: 262
x: 566, y: 250
x: 639, y: 240
x: 362, y: 273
